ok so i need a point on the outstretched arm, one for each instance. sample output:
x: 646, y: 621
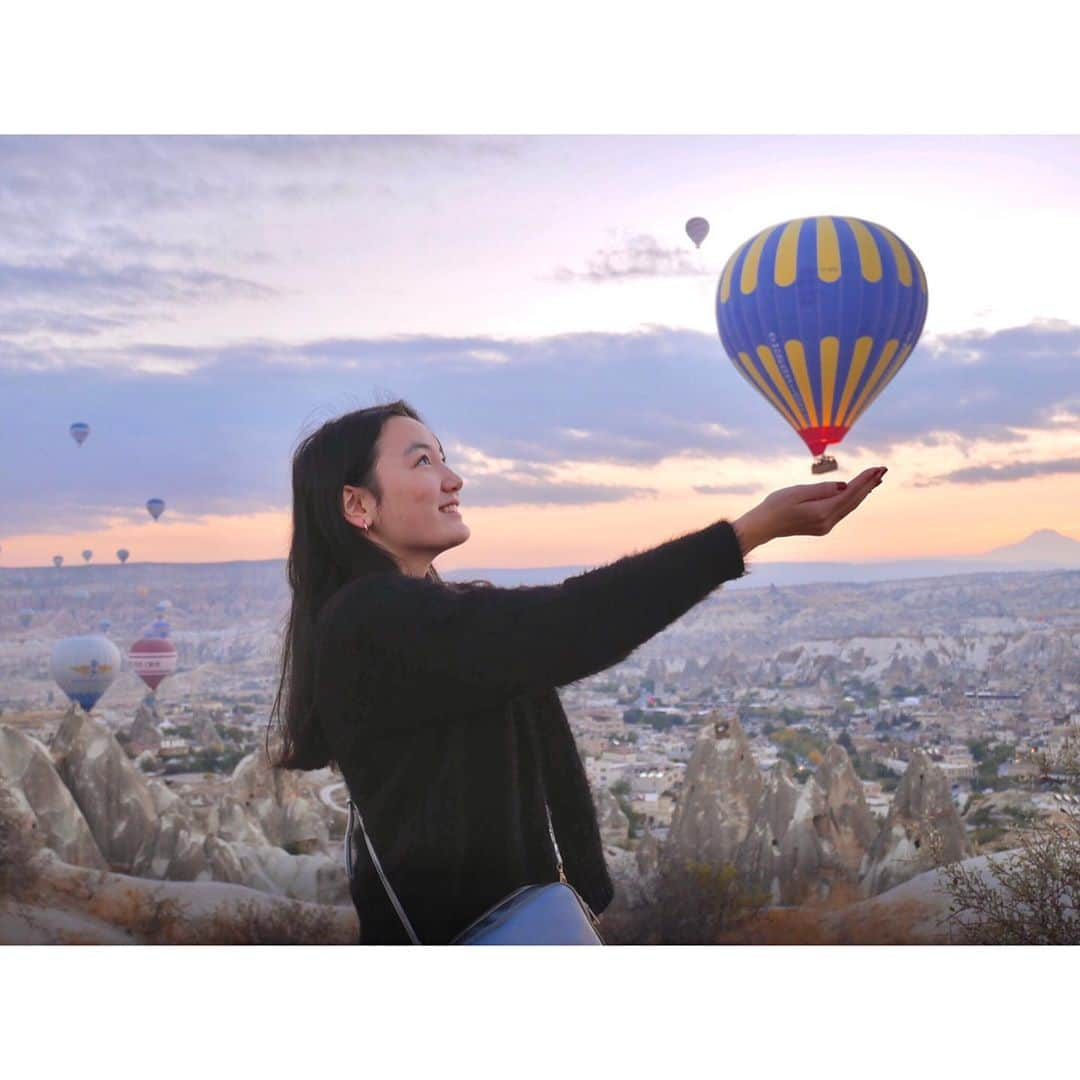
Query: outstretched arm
x: 530, y: 638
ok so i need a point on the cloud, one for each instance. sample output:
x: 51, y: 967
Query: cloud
x: 999, y: 474
x: 82, y: 296
x: 51, y: 186
x: 25, y: 321
x: 216, y: 425
x: 641, y: 257
x: 86, y: 280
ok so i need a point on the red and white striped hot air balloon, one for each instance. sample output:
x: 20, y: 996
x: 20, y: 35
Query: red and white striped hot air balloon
x: 152, y: 659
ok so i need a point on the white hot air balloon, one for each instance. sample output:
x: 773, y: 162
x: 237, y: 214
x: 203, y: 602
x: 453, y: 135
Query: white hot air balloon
x: 84, y: 667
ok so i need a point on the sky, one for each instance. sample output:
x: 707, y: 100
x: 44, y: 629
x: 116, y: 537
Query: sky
x: 204, y: 302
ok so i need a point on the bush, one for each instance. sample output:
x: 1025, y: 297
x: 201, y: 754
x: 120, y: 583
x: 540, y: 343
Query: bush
x: 1034, y: 897
x: 697, y: 902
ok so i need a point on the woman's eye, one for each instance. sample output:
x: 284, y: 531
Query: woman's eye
x: 423, y: 456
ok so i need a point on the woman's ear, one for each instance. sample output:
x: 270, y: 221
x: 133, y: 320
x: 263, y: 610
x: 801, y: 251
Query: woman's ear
x: 351, y: 504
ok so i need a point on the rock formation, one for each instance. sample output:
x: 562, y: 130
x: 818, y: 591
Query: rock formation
x: 95, y: 808
x: 113, y: 795
x: 144, y: 733
x: 722, y: 787
x: 28, y: 769
x: 922, y: 819
x: 272, y: 798
x: 614, y: 824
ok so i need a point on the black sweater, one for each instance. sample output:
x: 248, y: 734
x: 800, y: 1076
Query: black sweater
x: 439, y: 702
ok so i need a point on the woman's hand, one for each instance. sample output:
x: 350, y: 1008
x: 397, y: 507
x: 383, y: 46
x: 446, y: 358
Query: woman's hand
x: 804, y: 510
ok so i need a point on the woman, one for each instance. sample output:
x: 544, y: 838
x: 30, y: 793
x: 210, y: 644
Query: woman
x: 439, y: 701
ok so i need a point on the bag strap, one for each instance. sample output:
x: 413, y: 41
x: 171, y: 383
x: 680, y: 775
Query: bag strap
x: 354, y: 812
x: 353, y: 809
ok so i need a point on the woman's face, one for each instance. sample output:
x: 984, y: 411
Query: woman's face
x: 416, y: 483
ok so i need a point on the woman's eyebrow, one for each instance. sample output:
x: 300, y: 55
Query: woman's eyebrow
x: 424, y: 446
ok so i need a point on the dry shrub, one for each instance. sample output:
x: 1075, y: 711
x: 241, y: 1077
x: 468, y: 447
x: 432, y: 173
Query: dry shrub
x: 1034, y: 897
x: 165, y: 920
x: 696, y: 903
x: 841, y: 918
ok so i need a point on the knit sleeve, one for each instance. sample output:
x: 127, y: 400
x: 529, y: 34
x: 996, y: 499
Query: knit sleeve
x: 530, y: 638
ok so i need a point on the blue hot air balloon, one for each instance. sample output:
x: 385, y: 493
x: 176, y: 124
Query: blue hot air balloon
x: 87, y: 555
x: 156, y: 507
x: 162, y: 606
x: 58, y: 560
x: 819, y: 314
x: 84, y: 667
x: 159, y: 628
x: 104, y: 624
x: 122, y: 554
x: 80, y: 432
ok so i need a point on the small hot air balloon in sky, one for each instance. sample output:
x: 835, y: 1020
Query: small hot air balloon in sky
x: 26, y: 616
x: 104, y: 624
x: 87, y: 555
x: 80, y: 432
x: 84, y: 667
x: 58, y: 560
x: 122, y: 554
x: 159, y: 628
x: 152, y: 659
x: 697, y: 228
x: 162, y: 606
x: 819, y: 314
x: 155, y: 506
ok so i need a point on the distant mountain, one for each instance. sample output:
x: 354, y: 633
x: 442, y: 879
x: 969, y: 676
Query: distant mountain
x: 1042, y: 550
x: 1042, y: 546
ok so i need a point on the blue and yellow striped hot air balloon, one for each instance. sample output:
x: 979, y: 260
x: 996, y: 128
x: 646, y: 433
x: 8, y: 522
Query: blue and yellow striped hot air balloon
x: 819, y: 314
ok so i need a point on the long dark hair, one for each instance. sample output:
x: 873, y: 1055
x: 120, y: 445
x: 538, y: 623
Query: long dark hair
x: 325, y: 553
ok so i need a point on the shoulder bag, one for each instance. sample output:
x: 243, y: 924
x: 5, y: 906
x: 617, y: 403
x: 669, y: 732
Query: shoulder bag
x: 553, y: 913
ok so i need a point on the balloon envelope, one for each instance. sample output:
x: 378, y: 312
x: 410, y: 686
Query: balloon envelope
x: 58, y: 560
x: 818, y: 315
x: 152, y: 659
x: 162, y: 606
x: 122, y: 554
x: 697, y: 228
x: 84, y: 667
x: 155, y: 506
x: 159, y: 628
x: 80, y: 432
x: 87, y: 554
x: 104, y: 624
